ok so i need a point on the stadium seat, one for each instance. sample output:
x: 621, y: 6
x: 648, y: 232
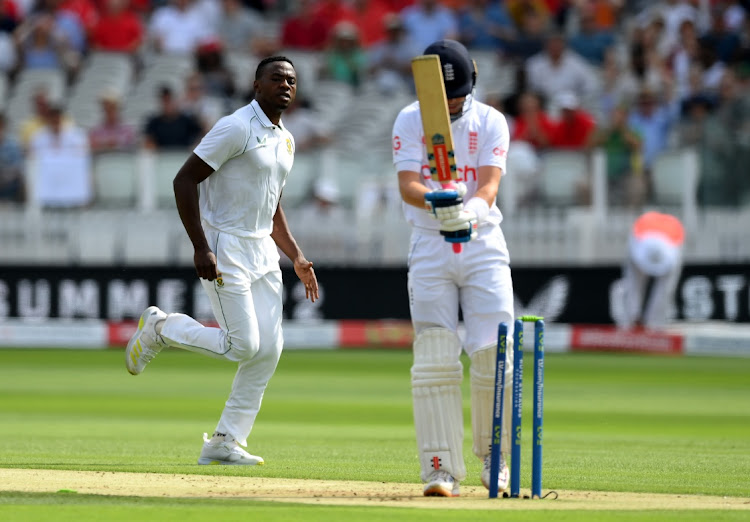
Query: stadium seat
x: 26, y: 85
x: 166, y: 166
x: 115, y: 179
x: 675, y: 181
x: 562, y: 173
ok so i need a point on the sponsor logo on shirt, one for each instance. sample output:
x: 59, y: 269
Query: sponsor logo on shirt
x: 261, y: 142
x: 289, y: 146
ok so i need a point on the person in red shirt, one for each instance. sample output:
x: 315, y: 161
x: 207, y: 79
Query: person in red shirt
x: 119, y: 29
x: 370, y: 20
x: 302, y: 30
x: 575, y: 126
x: 85, y: 10
x: 330, y: 13
x: 532, y: 124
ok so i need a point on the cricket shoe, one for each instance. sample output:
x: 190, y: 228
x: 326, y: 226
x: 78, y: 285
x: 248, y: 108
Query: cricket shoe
x: 440, y: 483
x: 225, y: 451
x: 502, y: 478
x: 145, y: 343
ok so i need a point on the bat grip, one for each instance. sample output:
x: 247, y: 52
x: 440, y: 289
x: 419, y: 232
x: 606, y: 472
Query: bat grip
x: 457, y: 247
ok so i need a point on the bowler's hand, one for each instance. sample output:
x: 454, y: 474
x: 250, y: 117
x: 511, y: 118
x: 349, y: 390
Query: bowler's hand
x: 304, y: 270
x: 205, y: 264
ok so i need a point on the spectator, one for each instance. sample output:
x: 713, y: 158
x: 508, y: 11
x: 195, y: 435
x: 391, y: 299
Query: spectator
x: 12, y: 186
x: 171, y: 127
x: 206, y: 109
x: 428, y: 21
x: 618, y: 88
x: 684, y: 57
x: 654, y: 120
x: 345, y: 60
x: 558, y: 69
x: 693, y: 126
x: 62, y: 163
x: 389, y: 62
x: 307, y: 128
x: 8, y: 54
x: 218, y: 80
x: 41, y: 45
x: 40, y: 106
x: 734, y: 15
x: 733, y: 107
x: 622, y: 148
x: 10, y: 16
x: 575, y: 126
x: 329, y: 14
x: 71, y: 18
x: 85, y: 11
x: 648, y: 50
x: 242, y: 29
x: 724, y: 41
x: 518, y: 9
x: 301, y: 30
x: 118, y: 30
x: 177, y: 29
x: 369, y: 17
x: 532, y: 124
x: 590, y: 41
x: 530, y: 38
x: 112, y: 134
x: 718, y: 129
x: 713, y: 68
x: 485, y: 24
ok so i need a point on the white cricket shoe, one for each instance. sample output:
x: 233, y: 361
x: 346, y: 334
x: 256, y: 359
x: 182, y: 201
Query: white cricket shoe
x: 440, y: 483
x: 503, y: 477
x: 145, y: 343
x: 225, y: 451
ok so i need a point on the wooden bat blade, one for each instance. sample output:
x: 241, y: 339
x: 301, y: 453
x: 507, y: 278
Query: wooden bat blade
x: 436, y: 123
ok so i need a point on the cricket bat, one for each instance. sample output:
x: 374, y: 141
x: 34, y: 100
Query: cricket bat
x: 436, y: 122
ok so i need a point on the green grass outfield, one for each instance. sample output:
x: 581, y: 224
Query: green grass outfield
x: 619, y: 423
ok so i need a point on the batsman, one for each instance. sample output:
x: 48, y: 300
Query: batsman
x: 440, y: 281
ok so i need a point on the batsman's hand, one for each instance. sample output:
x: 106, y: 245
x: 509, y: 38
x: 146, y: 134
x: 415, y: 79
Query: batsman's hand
x: 445, y: 203
x: 304, y: 270
x: 460, y: 229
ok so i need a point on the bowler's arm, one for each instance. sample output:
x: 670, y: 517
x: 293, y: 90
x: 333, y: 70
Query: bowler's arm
x: 283, y: 238
x: 185, y: 186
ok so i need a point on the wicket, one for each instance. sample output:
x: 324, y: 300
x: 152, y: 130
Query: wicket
x: 517, y: 403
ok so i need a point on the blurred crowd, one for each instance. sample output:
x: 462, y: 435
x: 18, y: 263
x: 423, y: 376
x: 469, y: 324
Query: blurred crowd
x: 631, y: 78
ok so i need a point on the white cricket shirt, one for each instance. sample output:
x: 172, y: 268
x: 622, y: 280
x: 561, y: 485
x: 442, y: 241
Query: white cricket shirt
x: 251, y: 158
x: 480, y: 138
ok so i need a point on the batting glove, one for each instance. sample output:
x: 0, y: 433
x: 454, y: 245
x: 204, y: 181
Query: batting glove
x: 445, y: 203
x: 462, y: 228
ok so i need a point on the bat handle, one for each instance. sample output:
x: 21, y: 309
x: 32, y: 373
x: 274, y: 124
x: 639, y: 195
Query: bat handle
x: 457, y: 247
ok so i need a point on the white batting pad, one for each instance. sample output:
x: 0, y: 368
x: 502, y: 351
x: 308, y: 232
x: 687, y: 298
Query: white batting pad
x: 438, y: 411
x: 482, y: 373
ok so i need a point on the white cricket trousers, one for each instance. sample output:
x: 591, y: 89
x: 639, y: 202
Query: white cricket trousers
x: 478, y: 279
x: 247, y: 303
x: 651, y: 273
